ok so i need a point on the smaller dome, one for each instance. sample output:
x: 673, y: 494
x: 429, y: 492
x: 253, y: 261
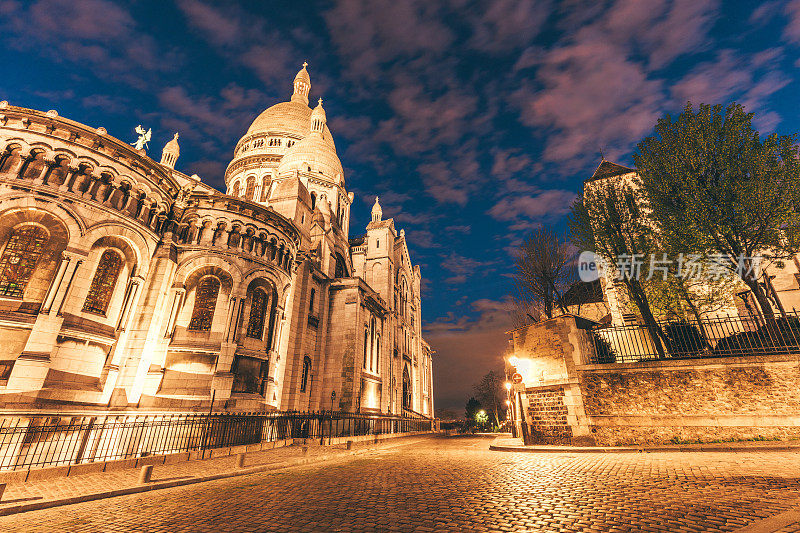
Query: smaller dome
x: 172, y: 146
x: 314, y: 154
x: 377, y: 212
x: 171, y: 152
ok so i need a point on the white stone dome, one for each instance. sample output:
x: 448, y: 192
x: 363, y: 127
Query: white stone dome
x: 316, y: 154
x: 286, y: 118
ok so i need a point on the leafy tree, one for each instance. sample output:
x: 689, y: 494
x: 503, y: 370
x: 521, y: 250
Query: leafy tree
x: 490, y: 393
x: 472, y: 408
x: 683, y: 298
x: 714, y: 185
x: 544, y: 272
x: 610, y: 221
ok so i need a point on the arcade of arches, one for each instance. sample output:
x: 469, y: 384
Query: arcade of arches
x: 125, y: 283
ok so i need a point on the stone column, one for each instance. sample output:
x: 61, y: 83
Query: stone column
x: 41, y: 179
x: 56, y: 284
x: 65, y: 285
x: 178, y: 295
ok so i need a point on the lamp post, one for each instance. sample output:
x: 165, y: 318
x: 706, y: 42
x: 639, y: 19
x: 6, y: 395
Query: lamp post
x: 510, y: 410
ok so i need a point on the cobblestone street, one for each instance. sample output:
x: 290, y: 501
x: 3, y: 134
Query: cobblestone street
x: 457, y: 484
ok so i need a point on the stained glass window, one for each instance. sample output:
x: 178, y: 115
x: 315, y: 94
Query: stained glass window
x: 306, y: 371
x: 235, y: 191
x: 205, y: 302
x: 22, y: 252
x: 105, y: 279
x: 255, y: 328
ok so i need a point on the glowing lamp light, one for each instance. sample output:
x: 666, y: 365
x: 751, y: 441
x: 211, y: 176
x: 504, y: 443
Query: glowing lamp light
x: 508, y: 385
x: 508, y: 402
x: 513, y: 360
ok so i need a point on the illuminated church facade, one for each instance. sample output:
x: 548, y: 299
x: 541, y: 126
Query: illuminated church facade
x: 127, y: 284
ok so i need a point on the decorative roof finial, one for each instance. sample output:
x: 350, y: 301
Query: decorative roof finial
x: 302, y: 85
x: 377, y: 212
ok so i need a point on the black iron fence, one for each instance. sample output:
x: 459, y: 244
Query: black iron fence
x: 713, y: 337
x: 35, y: 441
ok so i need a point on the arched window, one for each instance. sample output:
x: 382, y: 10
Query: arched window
x: 251, y: 188
x: 313, y: 200
x: 377, y: 354
x: 34, y: 167
x: 9, y: 159
x: 366, y: 348
x: 205, y: 301
x: 22, y: 252
x: 265, y: 188
x: 258, y: 308
x: 311, y: 301
x: 235, y: 190
x: 102, y: 287
x: 59, y: 171
x: 406, y: 389
x: 306, y: 372
x: 341, y: 267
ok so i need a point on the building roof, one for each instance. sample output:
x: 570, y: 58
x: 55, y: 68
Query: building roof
x: 583, y: 292
x: 607, y: 169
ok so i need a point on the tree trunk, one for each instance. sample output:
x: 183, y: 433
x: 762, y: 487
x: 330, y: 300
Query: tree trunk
x: 640, y: 299
x: 696, y: 312
x: 763, y: 302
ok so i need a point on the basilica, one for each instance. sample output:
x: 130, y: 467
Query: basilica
x: 127, y: 284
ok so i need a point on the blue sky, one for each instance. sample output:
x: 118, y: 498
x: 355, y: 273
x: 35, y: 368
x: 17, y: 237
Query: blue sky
x: 473, y: 120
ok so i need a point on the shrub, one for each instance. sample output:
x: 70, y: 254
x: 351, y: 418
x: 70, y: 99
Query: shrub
x: 683, y: 339
x: 603, y: 352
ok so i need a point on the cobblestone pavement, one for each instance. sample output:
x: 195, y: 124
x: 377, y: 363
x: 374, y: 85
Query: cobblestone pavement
x: 456, y: 484
x: 65, y: 487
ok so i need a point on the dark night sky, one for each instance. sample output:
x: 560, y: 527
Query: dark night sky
x: 473, y: 121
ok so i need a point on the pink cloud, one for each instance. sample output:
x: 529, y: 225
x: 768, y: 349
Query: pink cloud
x: 792, y: 30
x: 749, y: 79
x: 550, y: 203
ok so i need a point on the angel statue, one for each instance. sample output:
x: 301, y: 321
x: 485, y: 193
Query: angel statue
x: 144, y: 137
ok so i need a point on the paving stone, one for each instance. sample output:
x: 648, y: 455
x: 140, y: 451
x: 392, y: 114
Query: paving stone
x: 456, y: 485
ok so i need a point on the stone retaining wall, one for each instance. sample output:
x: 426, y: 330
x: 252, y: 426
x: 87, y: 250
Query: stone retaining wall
x: 653, y: 402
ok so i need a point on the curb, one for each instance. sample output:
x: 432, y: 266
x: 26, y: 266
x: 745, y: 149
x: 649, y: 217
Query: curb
x: 22, y: 508
x: 641, y: 449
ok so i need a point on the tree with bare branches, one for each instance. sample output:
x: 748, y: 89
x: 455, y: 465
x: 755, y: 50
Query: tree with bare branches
x: 544, y: 272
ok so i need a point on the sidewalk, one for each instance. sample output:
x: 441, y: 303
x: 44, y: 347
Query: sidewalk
x: 503, y: 444
x: 41, y: 494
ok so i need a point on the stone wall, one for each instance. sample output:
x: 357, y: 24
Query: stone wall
x: 548, y: 416
x: 693, y: 400
x: 652, y: 402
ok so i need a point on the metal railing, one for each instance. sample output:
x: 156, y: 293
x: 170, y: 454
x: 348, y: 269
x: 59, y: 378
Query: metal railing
x: 50, y: 440
x: 713, y: 337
